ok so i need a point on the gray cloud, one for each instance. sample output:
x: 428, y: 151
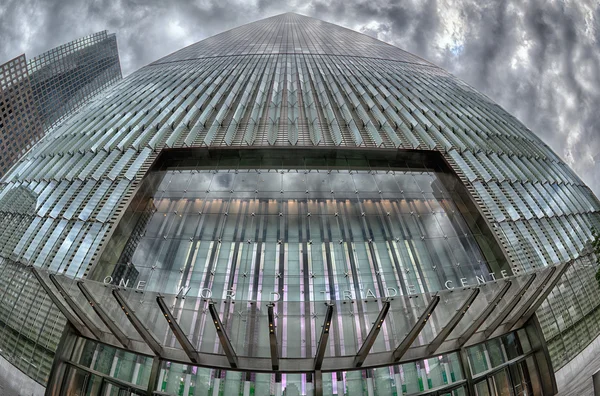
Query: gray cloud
x: 539, y: 60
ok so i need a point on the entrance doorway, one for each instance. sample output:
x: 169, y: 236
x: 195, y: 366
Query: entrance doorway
x: 81, y: 382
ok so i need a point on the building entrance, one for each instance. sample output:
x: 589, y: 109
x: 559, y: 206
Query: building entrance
x: 82, y: 382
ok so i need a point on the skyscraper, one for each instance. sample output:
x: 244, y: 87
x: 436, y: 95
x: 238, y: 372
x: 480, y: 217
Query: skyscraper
x: 291, y: 207
x: 20, y: 125
x: 36, y: 95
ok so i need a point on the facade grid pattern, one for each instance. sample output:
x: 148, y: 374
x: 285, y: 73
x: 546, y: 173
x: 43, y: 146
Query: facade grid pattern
x: 290, y: 82
x: 66, y: 77
x: 20, y: 126
x: 39, y: 93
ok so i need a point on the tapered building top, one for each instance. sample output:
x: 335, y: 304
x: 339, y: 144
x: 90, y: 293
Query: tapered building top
x: 292, y: 33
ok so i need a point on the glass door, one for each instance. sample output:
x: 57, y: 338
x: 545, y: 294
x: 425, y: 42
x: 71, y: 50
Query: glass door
x: 512, y: 380
x: 521, y: 379
x: 79, y: 382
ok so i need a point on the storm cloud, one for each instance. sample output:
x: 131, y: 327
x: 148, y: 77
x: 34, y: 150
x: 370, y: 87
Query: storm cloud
x: 540, y: 60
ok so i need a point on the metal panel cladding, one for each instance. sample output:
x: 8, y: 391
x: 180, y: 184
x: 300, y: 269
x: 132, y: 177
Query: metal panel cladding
x: 287, y: 81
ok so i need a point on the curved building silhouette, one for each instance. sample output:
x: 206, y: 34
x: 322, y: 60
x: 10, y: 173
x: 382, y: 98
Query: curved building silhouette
x: 291, y: 207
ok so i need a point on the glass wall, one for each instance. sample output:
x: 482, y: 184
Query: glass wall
x: 65, y: 78
x: 422, y: 376
x: 308, y: 233
x: 501, y: 366
x: 126, y: 370
x: 346, y: 228
x: 30, y: 324
x: 570, y: 316
x: 288, y: 83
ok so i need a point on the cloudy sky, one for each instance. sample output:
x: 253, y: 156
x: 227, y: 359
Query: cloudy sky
x: 540, y: 60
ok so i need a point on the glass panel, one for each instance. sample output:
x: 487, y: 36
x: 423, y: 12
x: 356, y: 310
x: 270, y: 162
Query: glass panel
x: 521, y: 379
x: 500, y: 383
x: 482, y: 389
x: 80, y: 383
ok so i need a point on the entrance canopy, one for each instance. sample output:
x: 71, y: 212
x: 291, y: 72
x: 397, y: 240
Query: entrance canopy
x: 263, y: 336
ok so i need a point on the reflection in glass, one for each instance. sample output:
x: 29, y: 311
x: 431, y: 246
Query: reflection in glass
x: 306, y: 234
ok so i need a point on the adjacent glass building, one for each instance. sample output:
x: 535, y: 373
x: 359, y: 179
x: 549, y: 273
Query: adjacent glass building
x: 293, y: 208
x: 36, y: 94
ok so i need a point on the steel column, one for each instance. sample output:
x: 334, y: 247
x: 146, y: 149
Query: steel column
x: 362, y: 353
x: 446, y: 330
x: 544, y: 382
x: 527, y: 304
x: 87, y: 322
x: 154, y: 376
x: 77, y: 326
x: 322, y: 346
x: 65, y: 349
x: 273, y: 338
x: 416, y: 329
x: 185, y: 343
x: 137, y: 324
x: 462, y: 340
x: 318, y: 382
x: 542, y: 297
x: 509, y: 307
x: 463, y: 358
x: 222, y: 334
x: 106, y: 319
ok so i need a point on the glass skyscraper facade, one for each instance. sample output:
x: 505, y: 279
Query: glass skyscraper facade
x: 20, y: 125
x: 36, y: 94
x: 293, y: 208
